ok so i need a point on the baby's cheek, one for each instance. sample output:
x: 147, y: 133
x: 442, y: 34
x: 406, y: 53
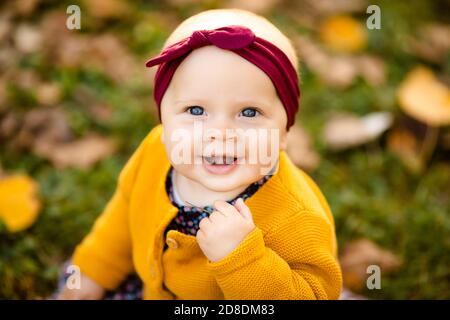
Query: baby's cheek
x: 180, y: 147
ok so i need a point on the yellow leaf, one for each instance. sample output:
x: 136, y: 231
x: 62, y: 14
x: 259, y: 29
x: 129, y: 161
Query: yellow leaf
x: 343, y: 33
x: 19, y: 205
x: 423, y: 97
x: 360, y: 254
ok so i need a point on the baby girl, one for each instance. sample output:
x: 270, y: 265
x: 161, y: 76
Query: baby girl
x: 198, y: 213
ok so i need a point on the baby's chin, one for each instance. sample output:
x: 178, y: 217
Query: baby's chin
x: 241, y: 177
x: 221, y: 184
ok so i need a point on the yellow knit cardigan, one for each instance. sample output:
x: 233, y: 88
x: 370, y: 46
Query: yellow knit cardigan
x: 291, y: 254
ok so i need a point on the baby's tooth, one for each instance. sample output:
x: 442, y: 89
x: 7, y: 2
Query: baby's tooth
x: 210, y: 160
x: 229, y: 160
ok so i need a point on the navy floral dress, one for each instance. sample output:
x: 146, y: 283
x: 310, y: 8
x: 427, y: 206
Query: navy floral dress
x: 186, y: 221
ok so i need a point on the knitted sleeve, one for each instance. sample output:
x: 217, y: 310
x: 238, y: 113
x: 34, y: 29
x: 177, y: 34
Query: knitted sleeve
x: 294, y: 261
x: 105, y: 254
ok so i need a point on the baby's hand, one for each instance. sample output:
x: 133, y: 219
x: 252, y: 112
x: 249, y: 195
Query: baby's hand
x: 224, y: 229
x: 89, y: 290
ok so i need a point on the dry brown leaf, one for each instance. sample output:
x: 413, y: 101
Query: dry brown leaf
x: 25, y: 79
x: 345, y: 131
x: 300, y: 149
x: 19, y: 204
x: 53, y: 31
x: 82, y: 153
x: 5, y: 27
x: 340, y: 70
x: 372, y: 69
x: 343, y: 33
x: 423, y: 97
x: 257, y: 6
x: 42, y: 125
x: 8, y: 125
x: 360, y: 254
x: 100, y: 112
x: 105, y: 52
x: 109, y: 54
x: 105, y: 9
x: 309, y: 13
x: 182, y: 3
x: 26, y: 7
x: 336, y: 71
x: 433, y: 42
x: 406, y: 146
x: 327, y: 7
x: 3, y: 97
x: 48, y: 94
x: 28, y: 38
x: 9, y: 58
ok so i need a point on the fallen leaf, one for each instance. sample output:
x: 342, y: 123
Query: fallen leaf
x: 25, y: 79
x: 8, y: 59
x: 27, y: 38
x: 109, y: 54
x: 372, y: 69
x: 104, y: 52
x: 82, y: 153
x: 9, y: 123
x: 5, y: 26
x: 42, y: 125
x: 423, y: 97
x: 360, y: 254
x: 404, y: 144
x: 336, y: 71
x: 328, y: 7
x: 101, y: 112
x: 48, y: 94
x: 106, y: 9
x: 300, y: 150
x: 433, y: 42
x: 3, y: 97
x: 343, y: 33
x: 341, y: 70
x: 19, y: 204
x: 345, y: 131
x: 26, y: 7
x: 257, y: 6
x: 309, y: 13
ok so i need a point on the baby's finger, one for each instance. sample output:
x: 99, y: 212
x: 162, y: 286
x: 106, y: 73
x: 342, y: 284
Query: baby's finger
x: 243, y: 209
x: 216, y: 216
x: 204, y: 223
x: 224, y: 207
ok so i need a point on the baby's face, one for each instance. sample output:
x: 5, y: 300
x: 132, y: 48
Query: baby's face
x: 224, y: 124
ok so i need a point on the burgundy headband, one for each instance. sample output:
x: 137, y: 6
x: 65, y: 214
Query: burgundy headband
x: 242, y: 41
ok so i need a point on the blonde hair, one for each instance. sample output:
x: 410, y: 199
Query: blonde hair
x: 217, y: 18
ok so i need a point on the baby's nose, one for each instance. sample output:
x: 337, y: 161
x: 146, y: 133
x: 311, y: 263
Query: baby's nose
x: 219, y: 129
x: 220, y: 134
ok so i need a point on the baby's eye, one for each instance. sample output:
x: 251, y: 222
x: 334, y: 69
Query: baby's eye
x: 249, y: 112
x: 196, y: 110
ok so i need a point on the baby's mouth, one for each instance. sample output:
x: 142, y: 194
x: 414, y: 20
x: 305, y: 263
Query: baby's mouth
x: 219, y: 165
x: 220, y: 160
